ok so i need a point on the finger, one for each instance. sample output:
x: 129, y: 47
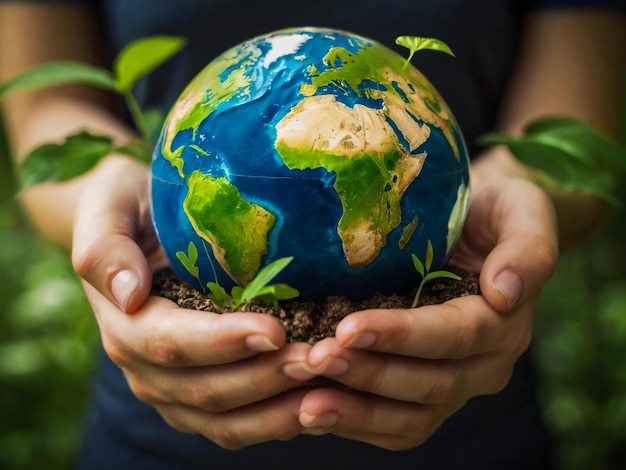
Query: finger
x: 220, y: 388
x: 161, y: 333
x: 386, y: 423
x: 273, y: 419
x: 112, y: 219
x: 456, y: 329
x: 408, y: 379
x: 523, y: 257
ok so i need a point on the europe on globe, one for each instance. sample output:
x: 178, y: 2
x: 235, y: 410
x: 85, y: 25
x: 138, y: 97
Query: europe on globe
x: 312, y: 143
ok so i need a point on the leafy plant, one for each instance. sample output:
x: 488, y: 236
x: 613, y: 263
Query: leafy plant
x: 424, y: 270
x: 569, y: 153
x: 417, y: 43
x: 189, y: 260
x: 257, y: 288
x: 80, y: 152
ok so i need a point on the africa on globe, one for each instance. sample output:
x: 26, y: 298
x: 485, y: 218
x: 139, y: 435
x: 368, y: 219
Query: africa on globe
x: 315, y: 144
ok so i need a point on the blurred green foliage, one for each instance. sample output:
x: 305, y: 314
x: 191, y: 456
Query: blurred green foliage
x: 48, y: 337
x: 580, y: 351
x: 47, y: 343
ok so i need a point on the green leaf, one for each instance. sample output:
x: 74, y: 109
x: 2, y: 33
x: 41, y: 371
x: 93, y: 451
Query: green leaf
x: 61, y: 162
x: 430, y: 254
x: 217, y: 294
x: 439, y: 274
x: 264, y: 276
x: 579, y: 140
x: 137, y: 149
x: 570, y: 153
x: 59, y: 73
x: 276, y: 292
x: 554, y: 164
x: 419, y: 266
x: 189, y: 259
x: 141, y: 57
x: 192, y: 251
x: 237, y: 293
x: 417, y: 43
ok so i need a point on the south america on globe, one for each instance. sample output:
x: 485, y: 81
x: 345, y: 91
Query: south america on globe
x: 316, y: 144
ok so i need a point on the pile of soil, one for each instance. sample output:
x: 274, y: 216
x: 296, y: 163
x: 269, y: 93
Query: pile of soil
x: 308, y: 321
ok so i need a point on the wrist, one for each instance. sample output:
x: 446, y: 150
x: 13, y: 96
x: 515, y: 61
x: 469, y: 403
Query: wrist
x: 51, y: 207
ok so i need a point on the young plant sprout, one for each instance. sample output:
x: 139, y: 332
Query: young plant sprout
x: 424, y: 270
x: 189, y: 260
x: 257, y: 288
x: 417, y: 43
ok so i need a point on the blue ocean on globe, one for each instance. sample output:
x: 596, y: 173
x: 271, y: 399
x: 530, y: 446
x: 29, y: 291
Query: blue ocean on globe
x: 316, y: 144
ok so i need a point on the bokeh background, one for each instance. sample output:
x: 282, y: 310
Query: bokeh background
x: 48, y: 337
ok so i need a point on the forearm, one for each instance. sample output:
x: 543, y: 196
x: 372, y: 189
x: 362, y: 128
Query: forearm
x: 56, y: 32
x: 573, y: 64
x: 51, y: 206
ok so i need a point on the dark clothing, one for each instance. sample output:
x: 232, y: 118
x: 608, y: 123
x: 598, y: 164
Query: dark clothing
x: 498, y: 432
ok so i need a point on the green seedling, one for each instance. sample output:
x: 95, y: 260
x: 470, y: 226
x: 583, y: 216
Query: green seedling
x: 82, y: 151
x: 424, y: 270
x: 417, y: 43
x: 189, y: 260
x: 257, y: 289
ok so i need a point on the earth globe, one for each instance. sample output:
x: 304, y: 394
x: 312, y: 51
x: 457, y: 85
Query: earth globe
x: 315, y: 144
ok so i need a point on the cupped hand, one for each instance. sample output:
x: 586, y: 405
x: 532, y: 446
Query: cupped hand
x: 406, y: 371
x: 222, y: 376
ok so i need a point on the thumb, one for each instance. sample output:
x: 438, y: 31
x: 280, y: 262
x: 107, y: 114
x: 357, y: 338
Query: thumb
x: 111, y: 216
x: 525, y: 254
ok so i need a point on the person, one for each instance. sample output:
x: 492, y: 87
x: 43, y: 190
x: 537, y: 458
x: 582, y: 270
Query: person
x: 447, y: 386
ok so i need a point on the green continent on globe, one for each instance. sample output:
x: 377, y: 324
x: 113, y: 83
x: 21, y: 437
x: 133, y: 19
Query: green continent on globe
x: 237, y: 229
x: 372, y: 169
x: 403, y: 102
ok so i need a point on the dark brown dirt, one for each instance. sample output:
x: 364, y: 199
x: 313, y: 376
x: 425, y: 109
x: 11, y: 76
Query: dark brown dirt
x: 311, y: 322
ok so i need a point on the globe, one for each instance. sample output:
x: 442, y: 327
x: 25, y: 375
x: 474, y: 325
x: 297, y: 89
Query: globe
x: 315, y: 144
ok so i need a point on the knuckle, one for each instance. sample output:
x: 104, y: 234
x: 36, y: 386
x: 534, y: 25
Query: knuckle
x: 117, y: 351
x: 85, y: 259
x: 442, y: 387
x: 165, y: 352
x: 467, y: 335
x: 264, y: 384
x: 546, y: 252
x: 202, y: 396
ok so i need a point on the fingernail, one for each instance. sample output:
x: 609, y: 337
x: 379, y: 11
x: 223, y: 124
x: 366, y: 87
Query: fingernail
x: 122, y: 287
x: 332, y: 366
x: 509, y: 284
x: 260, y: 343
x: 322, y: 421
x: 361, y: 340
x: 294, y: 370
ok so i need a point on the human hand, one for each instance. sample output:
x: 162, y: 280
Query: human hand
x: 409, y: 370
x: 203, y: 372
